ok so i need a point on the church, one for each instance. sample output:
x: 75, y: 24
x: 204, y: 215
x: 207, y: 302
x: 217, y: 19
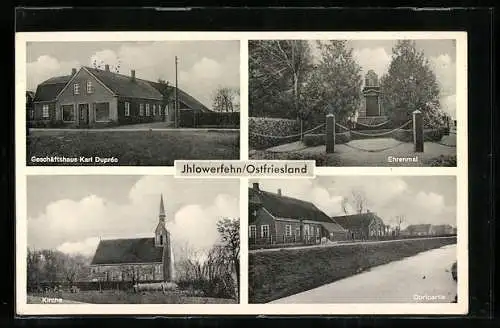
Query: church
x: 136, y: 259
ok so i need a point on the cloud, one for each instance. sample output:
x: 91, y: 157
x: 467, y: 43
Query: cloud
x: 46, y: 67
x: 387, y: 196
x: 74, y: 226
x: 445, y: 69
x: 376, y: 59
x: 86, y: 247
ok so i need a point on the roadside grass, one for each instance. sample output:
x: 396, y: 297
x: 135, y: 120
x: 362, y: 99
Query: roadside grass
x: 147, y: 148
x: 129, y: 297
x: 274, y: 275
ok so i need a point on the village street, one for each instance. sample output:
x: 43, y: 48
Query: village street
x: 423, y: 278
x: 336, y: 244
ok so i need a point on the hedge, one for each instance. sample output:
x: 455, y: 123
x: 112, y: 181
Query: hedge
x: 312, y: 140
x: 191, y: 119
x: 429, y: 135
x: 261, y: 128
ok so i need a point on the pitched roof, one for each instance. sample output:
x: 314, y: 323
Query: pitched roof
x: 49, y: 89
x: 355, y: 221
x: 124, y: 86
x: 332, y: 227
x: 135, y: 250
x: 184, y: 97
x: 287, y: 207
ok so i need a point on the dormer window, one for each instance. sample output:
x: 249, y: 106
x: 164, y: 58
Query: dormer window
x: 89, y: 87
x: 76, y: 88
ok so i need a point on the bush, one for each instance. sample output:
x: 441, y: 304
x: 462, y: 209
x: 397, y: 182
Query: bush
x: 342, y: 138
x: 449, y: 161
x: 429, y: 135
x: 403, y: 135
x: 313, y: 140
x: 266, y: 127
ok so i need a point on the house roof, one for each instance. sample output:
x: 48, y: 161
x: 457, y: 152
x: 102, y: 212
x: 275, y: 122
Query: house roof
x: 135, y: 250
x: 124, y: 86
x: 332, y: 227
x: 288, y: 207
x: 49, y: 89
x: 184, y: 97
x: 119, y: 84
x: 30, y: 94
x: 419, y: 227
x: 356, y: 221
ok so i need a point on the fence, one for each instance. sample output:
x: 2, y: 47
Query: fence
x: 194, y: 119
x: 56, y: 286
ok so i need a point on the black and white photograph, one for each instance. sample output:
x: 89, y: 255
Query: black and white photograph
x: 139, y: 103
x: 132, y: 240
x: 354, y: 102
x: 353, y: 239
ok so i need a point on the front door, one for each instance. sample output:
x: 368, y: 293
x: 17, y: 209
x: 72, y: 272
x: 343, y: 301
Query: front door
x: 83, y: 111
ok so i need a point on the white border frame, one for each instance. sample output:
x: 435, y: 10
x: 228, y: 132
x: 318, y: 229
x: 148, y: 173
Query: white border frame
x: 243, y: 308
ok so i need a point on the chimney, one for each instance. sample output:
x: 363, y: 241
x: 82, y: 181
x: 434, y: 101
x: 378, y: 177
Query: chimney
x: 73, y: 71
x: 256, y: 186
x: 132, y: 75
x: 279, y: 192
x: 106, y: 67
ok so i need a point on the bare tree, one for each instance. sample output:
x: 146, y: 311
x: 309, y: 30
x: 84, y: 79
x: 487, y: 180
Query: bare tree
x: 224, y: 99
x: 229, y: 230
x: 357, y: 200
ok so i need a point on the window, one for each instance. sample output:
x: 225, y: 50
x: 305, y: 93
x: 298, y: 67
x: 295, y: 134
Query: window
x: 127, y: 109
x: 68, y: 113
x: 76, y: 88
x: 297, y: 231
x: 147, y: 110
x: 31, y: 114
x: 252, y: 231
x: 160, y: 110
x: 89, y: 87
x: 161, y: 239
x: 264, y: 231
x: 306, y: 229
x: 154, y: 109
x: 141, y: 109
x: 45, y: 111
x: 288, y: 230
x: 317, y: 231
x: 102, y: 112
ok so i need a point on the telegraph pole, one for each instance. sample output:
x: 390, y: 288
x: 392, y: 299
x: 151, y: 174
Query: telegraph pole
x: 176, y: 96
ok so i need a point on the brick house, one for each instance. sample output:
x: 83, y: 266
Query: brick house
x: 92, y: 97
x: 278, y: 219
x: 419, y: 230
x: 135, y: 259
x: 363, y: 226
x: 442, y: 229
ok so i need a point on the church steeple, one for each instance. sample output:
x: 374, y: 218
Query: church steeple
x: 161, y: 233
x: 162, y: 210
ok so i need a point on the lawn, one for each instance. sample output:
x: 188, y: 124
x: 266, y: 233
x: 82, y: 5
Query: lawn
x: 273, y: 275
x: 376, y: 155
x: 148, y: 148
x: 125, y: 297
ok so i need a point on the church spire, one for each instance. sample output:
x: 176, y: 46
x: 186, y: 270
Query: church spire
x: 162, y: 209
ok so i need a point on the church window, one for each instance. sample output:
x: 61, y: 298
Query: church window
x: 161, y: 239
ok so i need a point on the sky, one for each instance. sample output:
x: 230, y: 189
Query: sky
x: 420, y: 199
x: 203, y: 65
x: 376, y: 55
x: 71, y: 213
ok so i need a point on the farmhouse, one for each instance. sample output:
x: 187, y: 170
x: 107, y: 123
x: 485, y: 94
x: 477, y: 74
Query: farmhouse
x: 363, y: 226
x: 92, y: 97
x: 419, y: 230
x: 278, y: 219
x: 442, y: 229
x: 135, y: 259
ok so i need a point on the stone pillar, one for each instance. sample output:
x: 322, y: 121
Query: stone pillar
x: 418, y: 132
x: 330, y: 133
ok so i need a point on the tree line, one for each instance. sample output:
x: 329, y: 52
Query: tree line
x: 286, y: 82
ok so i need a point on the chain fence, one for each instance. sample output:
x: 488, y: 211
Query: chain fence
x: 286, y: 137
x: 373, y: 126
x: 378, y: 134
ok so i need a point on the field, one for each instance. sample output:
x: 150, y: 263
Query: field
x: 124, y: 297
x: 142, y: 147
x: 277, y: 274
